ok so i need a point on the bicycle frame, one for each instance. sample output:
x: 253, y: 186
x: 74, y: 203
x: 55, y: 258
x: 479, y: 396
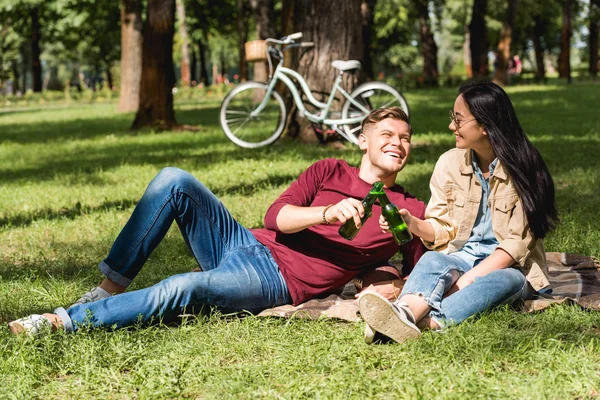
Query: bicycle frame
x: 281, y: 74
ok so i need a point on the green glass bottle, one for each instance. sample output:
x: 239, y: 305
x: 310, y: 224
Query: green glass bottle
x: 395, y: 221
x: 349, y: 230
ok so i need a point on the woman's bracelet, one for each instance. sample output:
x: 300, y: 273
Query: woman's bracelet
x: 323, y: 215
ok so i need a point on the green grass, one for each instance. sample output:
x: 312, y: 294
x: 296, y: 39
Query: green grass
x: 71, y: 175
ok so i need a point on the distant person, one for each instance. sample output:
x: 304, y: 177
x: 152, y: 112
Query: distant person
x: 492, y: 203
x: 297, y: 256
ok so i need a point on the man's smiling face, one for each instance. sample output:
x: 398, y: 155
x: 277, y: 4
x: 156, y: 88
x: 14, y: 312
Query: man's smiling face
x: 387, y: 145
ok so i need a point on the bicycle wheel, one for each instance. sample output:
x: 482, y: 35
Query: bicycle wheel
x: 371, y: 95
x: 250, y: 131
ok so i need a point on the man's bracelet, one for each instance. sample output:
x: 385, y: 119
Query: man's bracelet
x: 323, y: 215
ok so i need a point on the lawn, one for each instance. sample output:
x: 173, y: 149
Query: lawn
x: 70, y: 176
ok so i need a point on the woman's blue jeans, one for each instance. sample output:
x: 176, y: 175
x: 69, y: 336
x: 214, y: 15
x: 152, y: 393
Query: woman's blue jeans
x: 239, y: 273
x: 435, y: 273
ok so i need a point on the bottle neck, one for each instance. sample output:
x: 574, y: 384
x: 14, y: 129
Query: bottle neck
x: 383, y: 199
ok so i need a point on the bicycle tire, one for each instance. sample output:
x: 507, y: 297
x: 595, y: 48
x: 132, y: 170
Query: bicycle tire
x: 247, y: 131
x: 372, y: 95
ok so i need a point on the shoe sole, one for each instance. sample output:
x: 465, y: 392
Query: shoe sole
x: 380, y: 314
x: 16, y: 328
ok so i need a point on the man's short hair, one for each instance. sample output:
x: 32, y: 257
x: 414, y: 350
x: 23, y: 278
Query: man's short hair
x: 380, y: 114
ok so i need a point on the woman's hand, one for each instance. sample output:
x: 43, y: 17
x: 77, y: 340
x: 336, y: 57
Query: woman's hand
x: 385, y: 228
x: 389, y: 289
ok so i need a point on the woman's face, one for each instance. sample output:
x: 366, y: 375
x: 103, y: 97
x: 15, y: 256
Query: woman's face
x: 467, y: 131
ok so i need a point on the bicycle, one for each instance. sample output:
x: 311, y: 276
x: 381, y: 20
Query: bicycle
x: 253, y: 114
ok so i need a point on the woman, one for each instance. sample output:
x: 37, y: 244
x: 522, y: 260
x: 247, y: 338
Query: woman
x: 492, y: 203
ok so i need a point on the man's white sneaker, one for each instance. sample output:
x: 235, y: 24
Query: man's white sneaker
x: 95, y: 294
x: 391, y: 320
x: 32, y: 325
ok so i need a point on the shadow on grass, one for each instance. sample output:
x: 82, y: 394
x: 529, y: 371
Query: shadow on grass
x: 49, y: 214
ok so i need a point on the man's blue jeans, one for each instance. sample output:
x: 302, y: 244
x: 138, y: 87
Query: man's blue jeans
x: 435, y: 273
x: 239, y: 273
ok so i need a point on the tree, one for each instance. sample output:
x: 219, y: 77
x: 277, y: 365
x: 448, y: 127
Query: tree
x: 594, y: 16
x: 131, y: 55
x: 478, y: 38
x: 335, y: 28
x: 426, y: 42
x: 265, y: 28
x: 503, y: 52
x: 242, y: 25
x: 158, y: 76
x: 367, y: 9
x: 183, y: 34
x: 564, y: 59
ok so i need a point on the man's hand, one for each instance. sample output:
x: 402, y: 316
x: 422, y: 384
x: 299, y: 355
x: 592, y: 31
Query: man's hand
x: 345, y: 210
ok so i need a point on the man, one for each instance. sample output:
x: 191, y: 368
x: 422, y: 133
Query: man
x: 297, y: 256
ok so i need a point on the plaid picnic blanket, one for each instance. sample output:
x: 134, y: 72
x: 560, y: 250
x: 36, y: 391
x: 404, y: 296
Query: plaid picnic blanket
x: 573, y: 278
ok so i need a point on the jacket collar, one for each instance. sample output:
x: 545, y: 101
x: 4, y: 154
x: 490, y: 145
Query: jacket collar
x: 466, y: 168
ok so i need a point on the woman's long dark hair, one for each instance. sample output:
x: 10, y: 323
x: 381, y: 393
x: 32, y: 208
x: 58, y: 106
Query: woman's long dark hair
x: 492, y: 109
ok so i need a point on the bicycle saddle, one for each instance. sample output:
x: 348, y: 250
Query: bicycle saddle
x: 346, y: 65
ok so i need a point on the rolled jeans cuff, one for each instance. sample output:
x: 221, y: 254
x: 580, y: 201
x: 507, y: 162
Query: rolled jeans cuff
x: 113, y: 275
x: 66, y: 319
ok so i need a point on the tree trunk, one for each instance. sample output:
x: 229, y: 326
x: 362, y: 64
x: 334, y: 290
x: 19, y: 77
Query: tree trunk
x: 242, y: 25
x: 203, y: 78
x: 467, y: 54
x: 131, y: 55
x: 564, y: 59
x: 25, y: 58
x: 478, y: 38
x: 193, y: 66
x: 428, y: 46
x: 265, y: 28
x: 594, y: 33
x: 183, y: 33
x: 335, y: 28
x: 36, y: 65
x: 15, y: 71
x: 538, y: 32
x: 109, y: 77
x: 158, y: 75
x: 367, y: 9
x: 503, y: 52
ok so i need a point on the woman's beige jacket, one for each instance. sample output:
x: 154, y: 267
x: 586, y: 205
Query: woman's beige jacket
x: 452, y: 210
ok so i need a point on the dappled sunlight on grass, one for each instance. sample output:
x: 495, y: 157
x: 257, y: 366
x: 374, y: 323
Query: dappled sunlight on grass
x: 71, y: 176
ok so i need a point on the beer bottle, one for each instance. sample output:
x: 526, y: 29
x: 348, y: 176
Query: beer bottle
x: 349, y: 229
x: 395, y: 221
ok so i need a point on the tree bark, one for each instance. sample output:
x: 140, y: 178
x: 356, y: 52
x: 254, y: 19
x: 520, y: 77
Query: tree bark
x: 538, y: 32
x: 242, y: 25
x: 15, y: 71
x: 427, y: 41
x: 158, y: 75
x: 503, y: 52
x: 478, y: 38
x: 109, y: 77
x: 203, y: 78
x: 367, y: 9
x: 193, y: 66
x: 131, y: 55
x: 183, y: 33
x: 564, y: 58
x: 335, y: 28
x: 36, y: 65
x: 25, y: 57
x: 265, y: 28
x: 594, y: 33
